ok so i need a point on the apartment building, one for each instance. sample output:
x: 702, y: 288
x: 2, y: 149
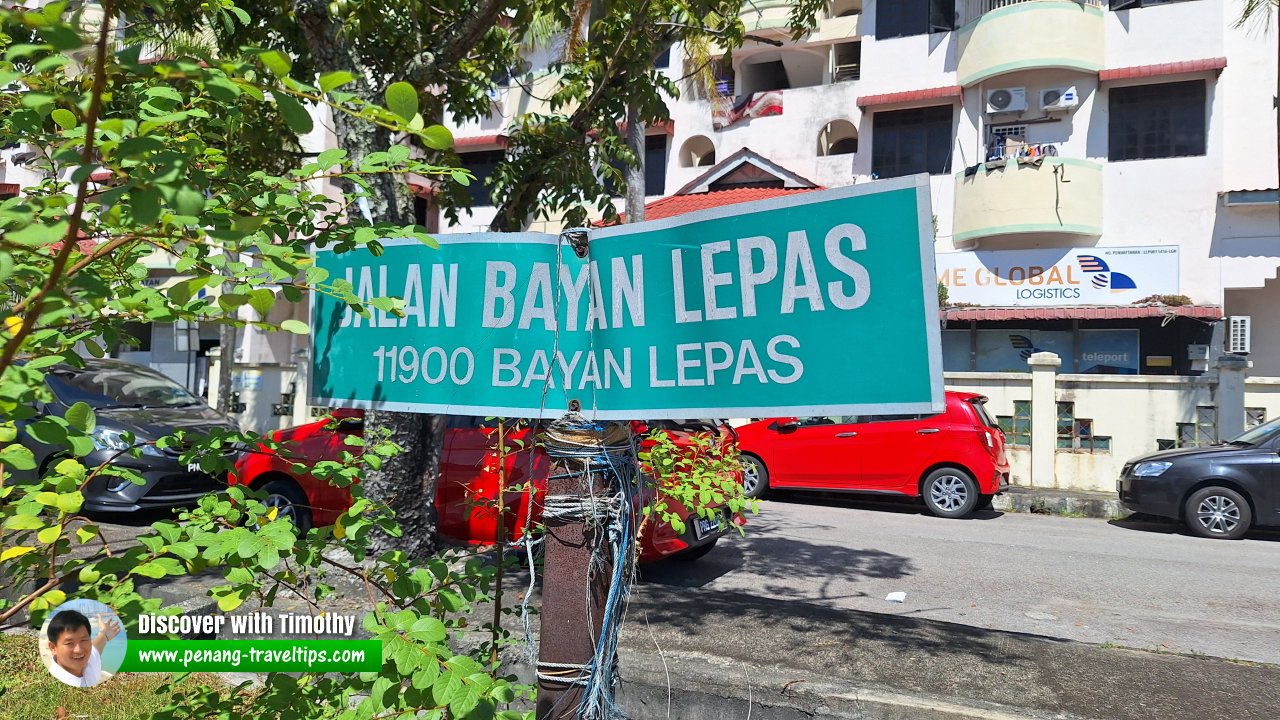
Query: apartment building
x: 1090, y: 161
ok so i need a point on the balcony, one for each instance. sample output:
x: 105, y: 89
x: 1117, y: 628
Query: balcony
x: 1003, y: 36
x: 842, y: 20
x: 1012, y: 196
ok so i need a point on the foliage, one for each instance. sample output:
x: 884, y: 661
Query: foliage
x: 561, y: 160
x: 944, y: 295
x: 700, y: 477
x: 72, y: 262
x: 1170, y: 300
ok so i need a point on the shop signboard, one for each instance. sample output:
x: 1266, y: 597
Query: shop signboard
x: 1064, y: 276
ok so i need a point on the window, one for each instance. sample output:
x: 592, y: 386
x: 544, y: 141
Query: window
x: 902, y: 18
x: 904, y: 142
x: 481, y: 164
x: 1076, y: 434
x: 1157, y: 121
x: 999, y: 135
x: 1130, y: 4
x: 1017, y: 427
x: 846, y: 61
x: 655, y: 168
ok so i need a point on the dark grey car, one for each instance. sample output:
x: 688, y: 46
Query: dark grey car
x: 1219, y: 491
x: 128, y: 398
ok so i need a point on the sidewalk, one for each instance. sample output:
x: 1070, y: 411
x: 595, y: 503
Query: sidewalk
x: 1049, y: 501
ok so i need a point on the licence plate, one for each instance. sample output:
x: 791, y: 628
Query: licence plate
x: 705, y: 526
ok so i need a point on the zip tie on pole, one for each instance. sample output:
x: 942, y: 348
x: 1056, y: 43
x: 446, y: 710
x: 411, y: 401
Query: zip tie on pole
x: 363, y: 203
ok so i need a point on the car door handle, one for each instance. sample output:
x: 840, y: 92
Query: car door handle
x: 926, y: 431
x: 846, y: 434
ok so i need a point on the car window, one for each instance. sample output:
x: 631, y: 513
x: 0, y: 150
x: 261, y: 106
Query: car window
x: 818, y: 420
x: 892, y: 418
x: 1260, y: 434
x: 981, y: 408
x: 119, y: 386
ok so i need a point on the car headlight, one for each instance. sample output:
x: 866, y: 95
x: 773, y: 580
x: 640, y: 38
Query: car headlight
x: 1151, y: 469
x: 109, y: 439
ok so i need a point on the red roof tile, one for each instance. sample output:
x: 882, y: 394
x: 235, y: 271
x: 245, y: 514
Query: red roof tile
x: 9, y: 189
x: 681, y: 204
x: 480, y: 141
x: 1121, y: 312
x: 951, y: 91
x: 1162, y: 69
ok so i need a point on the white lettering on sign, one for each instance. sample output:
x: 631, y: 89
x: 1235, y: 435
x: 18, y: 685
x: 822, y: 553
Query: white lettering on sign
x: 510, y: 370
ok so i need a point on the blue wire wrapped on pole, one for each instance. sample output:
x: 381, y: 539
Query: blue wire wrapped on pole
x: 608, y: 503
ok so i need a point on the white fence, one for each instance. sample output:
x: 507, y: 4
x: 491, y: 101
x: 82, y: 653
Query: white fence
x: 1124, y: 416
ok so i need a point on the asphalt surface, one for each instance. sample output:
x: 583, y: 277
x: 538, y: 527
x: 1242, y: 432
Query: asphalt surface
x: 1139, y: 585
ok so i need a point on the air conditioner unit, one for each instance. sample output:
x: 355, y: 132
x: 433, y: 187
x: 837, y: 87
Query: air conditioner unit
x: 1063, y: 98
x: 1006, y: 100
x: 1238, y: 334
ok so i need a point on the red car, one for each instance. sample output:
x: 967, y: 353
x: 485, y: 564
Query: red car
x: 955, y: 461
x: 468, y: 490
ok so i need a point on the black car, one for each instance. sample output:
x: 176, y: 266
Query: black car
x: 128, y: 398
x: 1219, y: 491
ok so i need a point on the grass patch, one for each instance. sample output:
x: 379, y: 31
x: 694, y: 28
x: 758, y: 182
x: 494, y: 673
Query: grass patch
x: 28, y: 691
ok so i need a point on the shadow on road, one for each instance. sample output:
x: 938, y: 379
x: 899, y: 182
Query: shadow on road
x: 899, y: 504
x: 791, y: 568
x: 1141, y: 522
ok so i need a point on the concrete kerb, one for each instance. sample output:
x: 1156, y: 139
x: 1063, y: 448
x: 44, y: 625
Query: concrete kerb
x: 1045, y: 501
x: 696, y: 686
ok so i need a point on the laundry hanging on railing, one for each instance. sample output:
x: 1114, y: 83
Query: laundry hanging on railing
x: 1024, y: 152
x: 746, y: 107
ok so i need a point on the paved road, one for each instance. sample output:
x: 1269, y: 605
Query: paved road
x: 1135, y: 585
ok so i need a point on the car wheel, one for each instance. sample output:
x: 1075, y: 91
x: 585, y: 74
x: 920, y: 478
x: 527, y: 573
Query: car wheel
x: 1218, y: 512
x: 696, y: 553
x: 949, y: 493
x: 755, y: 477
x: 290, y: 503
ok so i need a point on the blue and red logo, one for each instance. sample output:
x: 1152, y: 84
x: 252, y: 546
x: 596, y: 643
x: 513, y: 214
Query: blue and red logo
x: 1104, y: 278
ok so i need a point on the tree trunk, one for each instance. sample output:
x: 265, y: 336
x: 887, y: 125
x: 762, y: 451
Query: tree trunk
x: 635, y: 175
x: 407, y: 482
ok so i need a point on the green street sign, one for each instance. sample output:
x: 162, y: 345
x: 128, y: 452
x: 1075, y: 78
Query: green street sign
x: 821, y: 303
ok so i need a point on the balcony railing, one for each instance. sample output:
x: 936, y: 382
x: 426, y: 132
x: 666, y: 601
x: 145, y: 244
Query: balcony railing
x: 848, y: 71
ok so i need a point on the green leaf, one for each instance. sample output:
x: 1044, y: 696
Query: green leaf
x: 437, y: 137
x: 50, y: 535
x: 17, y: 457
x: 70, y: 502
x: 269, y: 557
x: 65, y: 118
x: 335, y: 79
x: 232, y: 600
x: 48, y: 499
x: 402, y: 99
x: 85, y: 533
x: 23, y: 522
x: 188, y: 201
x: 38, y: 234
x: 81, y: 417
x: 160, y: 567
x: 61, y: 37
x: 89, y: 575
x: 297, y: 117
x: 297, y: 327
x: 262, y: 300
x: 428, y: 629
x: 277, y: 62
x: 145, y: 205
